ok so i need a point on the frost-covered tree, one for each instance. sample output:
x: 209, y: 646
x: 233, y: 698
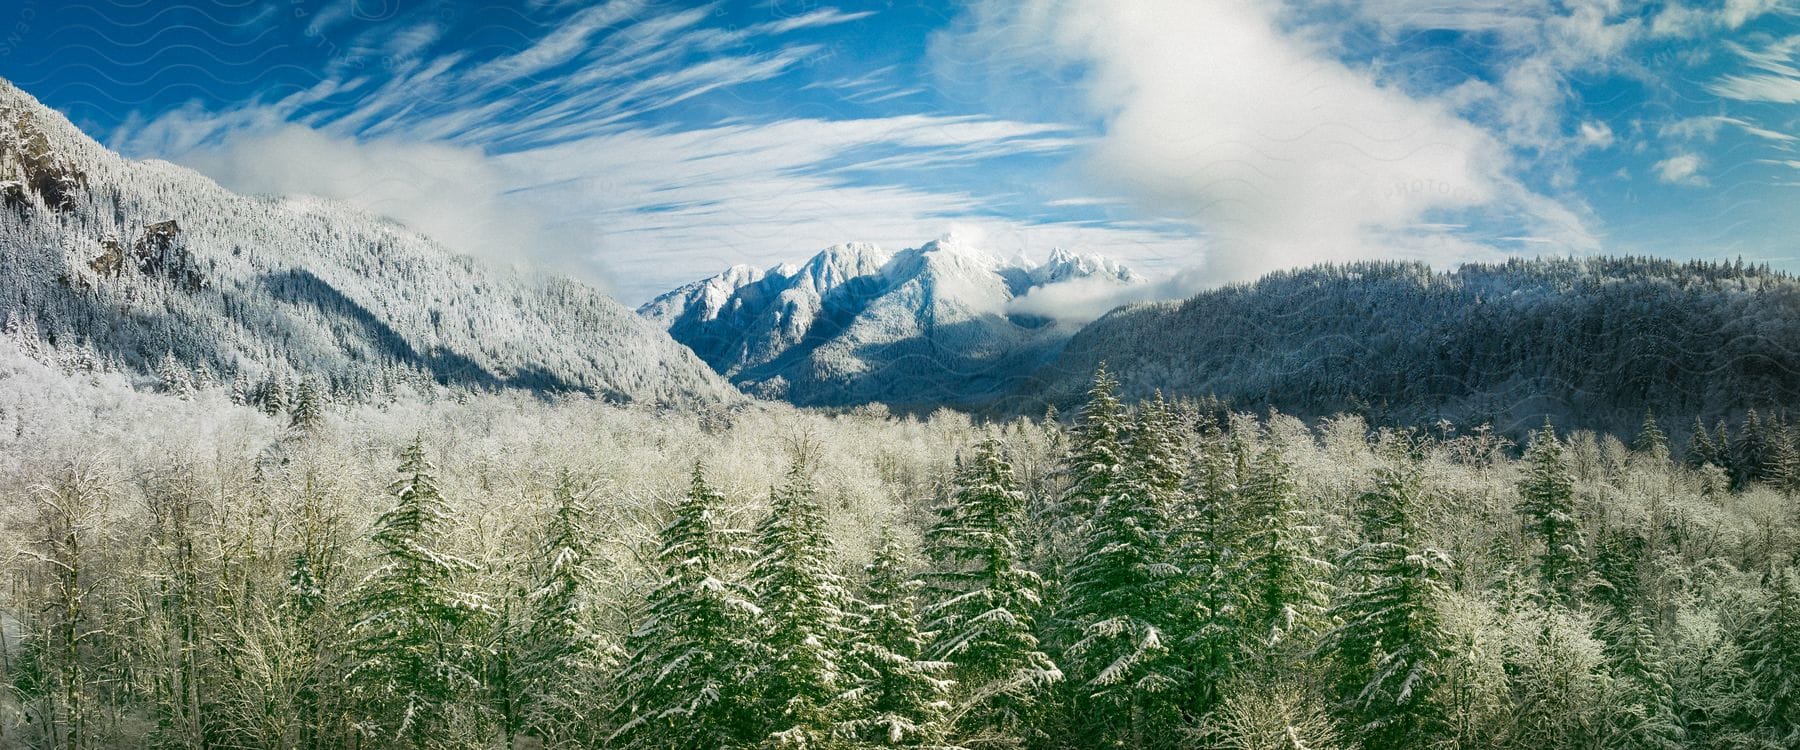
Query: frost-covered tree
x: 1390, y: 643
x: 1099, y: 464
x: 1209, y: 548
x: 1560, y: 688
x: 803, y: 601
x: 559, y: 658
x: 1650, y: 439
x: 1643, y: 713
x: 1772, y: 650
x: 1547, y: 503
x: 308, y: 407
x: 1121, y: 606
x: 1289, y: 586
x: 686, y: 683
x: 1272, y: 716
x: 414, y: 664
x: 982, y: 605
x: 900, y: 698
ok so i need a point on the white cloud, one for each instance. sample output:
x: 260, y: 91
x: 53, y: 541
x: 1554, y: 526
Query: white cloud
x: 455, y: 195
x: 1596, y: 134
x: 680, y: 205
x: 1779, y: 81
x: 1283, y: 154
x: 1682, y: 20
x: 1680, y: 169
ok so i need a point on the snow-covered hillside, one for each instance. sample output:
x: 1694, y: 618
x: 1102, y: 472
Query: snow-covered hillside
x: 110, y: 263
x: 856, y: 323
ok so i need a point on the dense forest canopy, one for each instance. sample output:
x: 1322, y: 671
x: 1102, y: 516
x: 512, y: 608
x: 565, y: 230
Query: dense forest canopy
x: 502, y: 571
x: 1590, y: 342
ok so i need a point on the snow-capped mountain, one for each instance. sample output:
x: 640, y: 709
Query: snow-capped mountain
x: 107, y: 262
x: 857, y: 323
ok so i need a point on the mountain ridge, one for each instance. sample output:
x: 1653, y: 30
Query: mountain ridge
x: 928, y: 325
x: 132, y: 263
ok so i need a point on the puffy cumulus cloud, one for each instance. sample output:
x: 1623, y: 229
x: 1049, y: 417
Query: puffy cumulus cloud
x: 456, y: 195
x: 1282, y: 153
x: 1680, y: 169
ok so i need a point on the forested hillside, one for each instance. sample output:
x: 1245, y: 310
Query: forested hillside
x: 512, y: 572
x: 1590, y: 342
x: 151, y: 269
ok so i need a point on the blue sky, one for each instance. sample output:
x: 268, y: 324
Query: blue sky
x: 644, y: 144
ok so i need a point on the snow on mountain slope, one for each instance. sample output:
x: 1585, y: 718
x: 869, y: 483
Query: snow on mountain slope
x: 857, y: 323
x: 125, y: 263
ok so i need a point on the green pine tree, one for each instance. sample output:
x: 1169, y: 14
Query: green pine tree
x: 1121, y: 606
x: 1772, y: 650
x: 1650, y: 439
x: 1644, y: 715
x: 901, y: 699
x: 686, y: 681
x: 803, y: 604
x: 407, y: 634
x: 1289, y: 586
x: 1390, y: 644
x: 982, y: 604
x: 559, y: 661
x: 1209, y: 550
x: 1547, y: 502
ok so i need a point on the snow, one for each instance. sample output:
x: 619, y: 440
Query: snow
x: 858, y: 323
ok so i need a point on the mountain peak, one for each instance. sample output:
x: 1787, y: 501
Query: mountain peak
x: 854, y: 322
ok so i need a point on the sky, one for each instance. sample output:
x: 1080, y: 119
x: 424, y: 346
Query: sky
x: 643, y: 144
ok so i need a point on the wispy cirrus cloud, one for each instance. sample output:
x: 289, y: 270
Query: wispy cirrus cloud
x: 552, y: 152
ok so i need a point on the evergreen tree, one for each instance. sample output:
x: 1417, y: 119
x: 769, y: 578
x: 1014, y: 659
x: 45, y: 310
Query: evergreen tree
x: 1701, y: 450
x: 1390, y: 642
x: 1644, y: 716
x: 803, y: 603
x: 1547, y: 501
x: 982, y: 604
x: 1725, y: 451
x: 1650, y: 439
x: 175, y: 377
x: 901, y: 699
x: 686, y: 681
x: 1752, y: 451
x: 561, y: 656
x: 1121, y: 604
x: 308, y: 408
x: 1099, y: 463
x: 1772, y: 650
x: 407, y: 630
x: 1288, y: 585
x: 1616, y: 561
x: 273, y: 395
x: 1209, y: 549
x: 1784, y: 460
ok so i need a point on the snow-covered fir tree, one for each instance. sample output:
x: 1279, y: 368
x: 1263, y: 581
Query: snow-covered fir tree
x: 1209, y: 549
x: 1288, y: 585
x: 686, y: 682
x: 415, y: 672
x: 983, y: 605
x: 1547, y: 503
x: 559, y: 655
x: 1389, y: 644
x: 900, y: 699
x: 803, y: 620
x: 1122, y: 604
x: 1772, y: 650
